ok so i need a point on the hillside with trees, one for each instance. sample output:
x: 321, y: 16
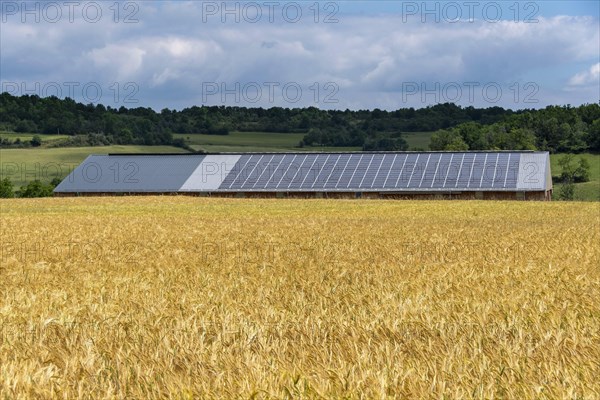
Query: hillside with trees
x: 555, y: 128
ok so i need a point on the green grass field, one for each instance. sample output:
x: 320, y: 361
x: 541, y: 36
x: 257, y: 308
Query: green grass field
x: 589, y: 191
x: 252, y: 142
x: 267, y: 141
x: 243, y: 139
x: 417, y: 140
x: 24, y: 165
x: 25, y: 137
x: 242, y: 149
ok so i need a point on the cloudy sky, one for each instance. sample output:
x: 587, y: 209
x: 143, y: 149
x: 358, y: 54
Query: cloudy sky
x: 331, y: 55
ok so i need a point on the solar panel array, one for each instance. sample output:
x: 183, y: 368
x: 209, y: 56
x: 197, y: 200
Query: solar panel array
x: 369, y: 171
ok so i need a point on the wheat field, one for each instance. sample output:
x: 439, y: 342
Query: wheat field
x: 181, y: 297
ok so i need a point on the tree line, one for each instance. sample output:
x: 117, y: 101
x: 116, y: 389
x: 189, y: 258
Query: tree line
x: 554, y: 128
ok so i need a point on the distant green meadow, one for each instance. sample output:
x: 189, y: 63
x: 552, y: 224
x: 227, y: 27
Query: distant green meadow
x: 267, y: 141
x: 589, y: 191
x: 25, y: 137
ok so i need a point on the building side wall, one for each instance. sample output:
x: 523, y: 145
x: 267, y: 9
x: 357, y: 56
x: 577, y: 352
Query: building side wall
x: 523, y: 196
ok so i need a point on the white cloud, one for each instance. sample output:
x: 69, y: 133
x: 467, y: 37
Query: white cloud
x: 589, y: 77
x: 123, y: 62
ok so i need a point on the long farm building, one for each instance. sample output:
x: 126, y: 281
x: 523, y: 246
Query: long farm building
x: 501, y: 175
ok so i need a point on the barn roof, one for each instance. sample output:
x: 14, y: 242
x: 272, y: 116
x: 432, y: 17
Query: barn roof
x: 311, y: 172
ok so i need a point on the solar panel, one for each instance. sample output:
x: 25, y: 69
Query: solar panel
x: 431, y: 170
x: 299, y: 167
x: 465, y: 171
x: 430, y: 179
x: 235, y: 171
x: 336, y: 168
x: 288, y: 170
x: 348, y: 172
x: 477, y: 170
x: 413, y: 167
x: 281, y: 172
x: 443, y: 169
x: 404, y: 172
x: 271, y: 179
x: 394, y: 172
x: 326, y: 169
x: 417, y: 172
x: 371, y: 172
x: 310, y: 176
x: 489, y: 171
x: 512, y: 172
x: 259, y: 170
x: 336, y: 175
x: 453, y: 172
x: 251, y: 172
x: 360, y: 171
x: 500, y: 172
x: 383, y: 170
x: 238, y: 172
x: 268, y: 171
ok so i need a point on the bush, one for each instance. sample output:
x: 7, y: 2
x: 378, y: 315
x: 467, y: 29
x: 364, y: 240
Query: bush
x: 447, y: 140
x: 36, y: 189
x: 6, y: 189
x: 567, y: 191
x: 55, y: 182
x: 36, y: 141
x: 582, y: 172
x: 572, y: 173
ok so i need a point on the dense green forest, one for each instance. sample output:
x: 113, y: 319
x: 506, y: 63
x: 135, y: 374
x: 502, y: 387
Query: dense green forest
x: 555, y: 128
